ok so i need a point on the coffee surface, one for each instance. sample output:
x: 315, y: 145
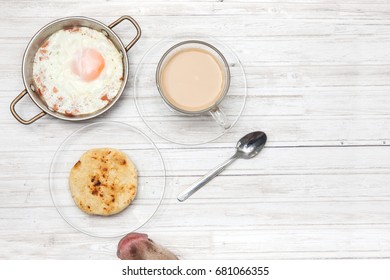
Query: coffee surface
x: 192, y: 80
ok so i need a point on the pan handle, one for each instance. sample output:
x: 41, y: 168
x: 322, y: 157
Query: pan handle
x: 17, y: 117
x: 129, y: 18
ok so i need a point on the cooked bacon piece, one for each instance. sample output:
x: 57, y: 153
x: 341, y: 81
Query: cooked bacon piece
x: 69, y: 114
x: 105, y: 98
x: 45, y: 44
x: 72, y: 29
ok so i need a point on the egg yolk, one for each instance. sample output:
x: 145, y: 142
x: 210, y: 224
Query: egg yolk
x: 88, y: 64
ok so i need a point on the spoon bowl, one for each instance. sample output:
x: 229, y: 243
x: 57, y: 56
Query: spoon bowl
x: 251, y: 144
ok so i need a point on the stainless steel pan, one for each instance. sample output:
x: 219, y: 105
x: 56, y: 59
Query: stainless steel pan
x: 37, y: 41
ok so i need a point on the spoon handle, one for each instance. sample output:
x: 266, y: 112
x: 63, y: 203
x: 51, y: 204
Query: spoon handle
x: 205, y: 179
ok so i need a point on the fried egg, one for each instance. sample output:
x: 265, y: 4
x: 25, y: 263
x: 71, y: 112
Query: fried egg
x: 77, y: 71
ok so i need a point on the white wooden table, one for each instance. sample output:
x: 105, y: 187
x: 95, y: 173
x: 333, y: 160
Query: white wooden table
x: 319, y: 84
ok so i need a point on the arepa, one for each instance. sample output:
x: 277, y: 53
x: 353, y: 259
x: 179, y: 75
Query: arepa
x: 103, y: 182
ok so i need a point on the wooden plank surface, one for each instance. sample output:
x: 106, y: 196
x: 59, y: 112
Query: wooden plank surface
x: 318, y: 76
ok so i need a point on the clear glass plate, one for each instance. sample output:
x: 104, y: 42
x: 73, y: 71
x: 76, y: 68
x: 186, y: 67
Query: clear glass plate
x: 180, y: 128
x: 151, y: 177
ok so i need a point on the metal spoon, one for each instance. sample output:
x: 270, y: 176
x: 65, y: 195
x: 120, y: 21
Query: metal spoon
x: 247, y: 147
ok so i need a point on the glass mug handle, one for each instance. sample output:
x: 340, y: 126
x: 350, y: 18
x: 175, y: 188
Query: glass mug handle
x: 220, y: 117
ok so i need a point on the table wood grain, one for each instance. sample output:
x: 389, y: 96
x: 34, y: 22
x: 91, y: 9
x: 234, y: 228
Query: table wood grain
x: 318, y: 74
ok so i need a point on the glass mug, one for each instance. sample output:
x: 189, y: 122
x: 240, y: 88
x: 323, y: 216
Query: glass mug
x: 213, y: 108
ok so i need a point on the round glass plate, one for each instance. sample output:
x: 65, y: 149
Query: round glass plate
x: 180, y: 128
x: 140, y: 150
